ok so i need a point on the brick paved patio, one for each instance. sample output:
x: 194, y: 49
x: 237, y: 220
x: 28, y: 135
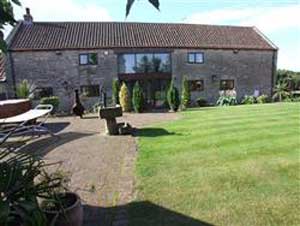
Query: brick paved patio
x: 101, y: 167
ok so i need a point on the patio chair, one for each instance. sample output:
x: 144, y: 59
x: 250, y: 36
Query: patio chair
x: 25, y: 123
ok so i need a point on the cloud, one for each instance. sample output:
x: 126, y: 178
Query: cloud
x: 61, y: 10
x: 278, y: 23
x: 267, y: 19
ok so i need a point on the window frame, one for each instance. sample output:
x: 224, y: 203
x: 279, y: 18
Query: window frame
x: 195, y: 57
x: 226, y: 80
x: 196, y: 80
x: 145, y: 53
x: 88, y: 59
x: 82, y: 87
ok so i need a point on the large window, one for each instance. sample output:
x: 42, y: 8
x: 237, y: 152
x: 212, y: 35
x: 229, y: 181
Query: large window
x: 161, y: 62
x: 127, y: 63
x: 195, y: 58
x: 88, y: 59
x: 226, y: 84
x: 144, y: 63
x: 196, y: 85
x: 90, y: 90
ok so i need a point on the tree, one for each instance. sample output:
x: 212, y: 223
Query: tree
x: 124, y: 98
x: 115, y: 91
x: 280, y: 91
x: 185, y: 93
x: 137, y: 98
x: 7, y: 17
x: 292, y: 78
x: 173, y: 97
x: 129, y: 4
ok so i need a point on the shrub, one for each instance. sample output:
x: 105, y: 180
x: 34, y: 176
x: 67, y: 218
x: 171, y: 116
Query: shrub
x: 173, y: 97
x: 249, y: 100
x: 54, y: 101
x: 262, y: 99
x: 227, y: 98
x: 124, y: 98
x: 280, y: 91
x: 201, y: 102
x: 115, y: 91
x: 186, y: 94
x: 22, y: 187
x: 137, y: 98
x: 296, y: 99
x: 24, y: 89
x: 287, y: 99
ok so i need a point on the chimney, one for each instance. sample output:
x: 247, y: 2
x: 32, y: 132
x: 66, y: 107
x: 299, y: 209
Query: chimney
x: 28, y: 19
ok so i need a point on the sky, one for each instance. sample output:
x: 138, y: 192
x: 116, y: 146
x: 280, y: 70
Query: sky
x: 279, y: 20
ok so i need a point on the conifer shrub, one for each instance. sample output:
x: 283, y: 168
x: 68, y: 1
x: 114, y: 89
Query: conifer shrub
x: 185, y: 94
x: 115, y: 91
x: 173, y: 97
x: 137, y: 98
x: 124, y: 98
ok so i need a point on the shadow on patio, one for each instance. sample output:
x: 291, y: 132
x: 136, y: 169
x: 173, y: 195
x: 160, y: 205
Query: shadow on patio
x: 43, y: 146
x: 56, y: 127
x: 140, y: 214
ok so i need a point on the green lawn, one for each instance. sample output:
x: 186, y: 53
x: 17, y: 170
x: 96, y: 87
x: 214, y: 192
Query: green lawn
x: 223, y: 165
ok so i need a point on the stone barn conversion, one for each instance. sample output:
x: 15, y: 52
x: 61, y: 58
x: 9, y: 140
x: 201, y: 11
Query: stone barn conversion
x: 58, y: 57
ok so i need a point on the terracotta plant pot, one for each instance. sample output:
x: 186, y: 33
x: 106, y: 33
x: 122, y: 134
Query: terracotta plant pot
x: 72, y: 215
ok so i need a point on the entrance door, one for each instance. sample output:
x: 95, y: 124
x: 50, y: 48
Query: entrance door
x: 155, y: 91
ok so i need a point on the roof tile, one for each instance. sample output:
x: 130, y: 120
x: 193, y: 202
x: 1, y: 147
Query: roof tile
x: 91, y: 35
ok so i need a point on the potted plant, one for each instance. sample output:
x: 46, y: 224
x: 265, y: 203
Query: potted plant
x: 23, y: 183
x: 61, y: 207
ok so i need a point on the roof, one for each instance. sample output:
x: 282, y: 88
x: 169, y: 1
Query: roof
x: 2, y: 68
x: 93, y: 35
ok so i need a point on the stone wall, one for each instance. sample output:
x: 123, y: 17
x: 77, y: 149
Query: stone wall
x: 61, y: 70
x: 249, y: 69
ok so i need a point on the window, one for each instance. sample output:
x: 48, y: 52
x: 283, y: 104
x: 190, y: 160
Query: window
x: 196, y: 85
x: 195, y: 58
x: 88, y: 59
x: 226, y: 84
x: 127, y: 63
x: 144, y: 63
x: 161, y: 62
x: 90, y: 90
x: 41, y: 92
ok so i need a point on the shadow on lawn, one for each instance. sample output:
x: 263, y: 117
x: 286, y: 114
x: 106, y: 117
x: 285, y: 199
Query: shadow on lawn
x: 153, y: 132
x: 137, y: 214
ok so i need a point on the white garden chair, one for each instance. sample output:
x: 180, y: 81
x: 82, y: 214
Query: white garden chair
x: 21, y: 124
